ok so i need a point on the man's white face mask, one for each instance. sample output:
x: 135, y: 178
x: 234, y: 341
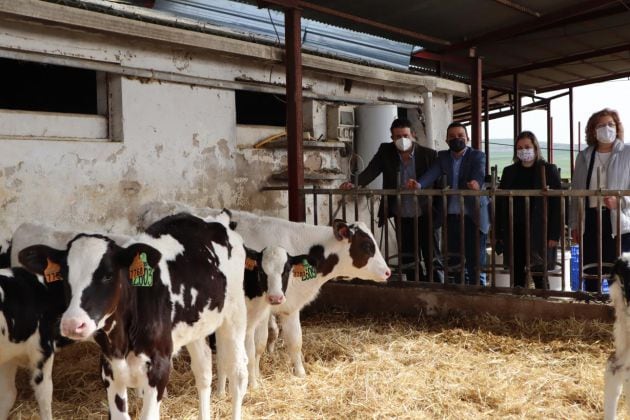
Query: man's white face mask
x: 403, y: 144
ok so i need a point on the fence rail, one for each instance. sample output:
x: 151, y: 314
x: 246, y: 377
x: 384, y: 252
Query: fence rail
x: 361, y: 204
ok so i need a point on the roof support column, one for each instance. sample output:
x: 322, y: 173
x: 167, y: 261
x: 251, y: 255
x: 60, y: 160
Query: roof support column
x: 475, y: 99
x: 486, y: 128
x: 293, y: 64
x: 571, y: 143
x: 549, y: 134
x: 517, y: 106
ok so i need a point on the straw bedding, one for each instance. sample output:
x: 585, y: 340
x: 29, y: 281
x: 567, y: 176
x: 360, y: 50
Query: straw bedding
x: 388, y: 367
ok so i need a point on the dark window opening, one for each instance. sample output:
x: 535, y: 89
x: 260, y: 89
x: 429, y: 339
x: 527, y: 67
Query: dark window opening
x: 258, y: 108
x: 29, y: 86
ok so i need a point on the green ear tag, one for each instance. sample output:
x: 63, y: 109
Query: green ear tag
x: 140, y: 272
x: 309, y: 271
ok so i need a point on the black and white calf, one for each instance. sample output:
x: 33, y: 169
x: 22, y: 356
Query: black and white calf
x: 265, y: 283
x: 30, y: 308
x: 343, y: 250
x: 617, y: 374
x: 5, y: 253
x: 350, y: 251
x: 142, y: 302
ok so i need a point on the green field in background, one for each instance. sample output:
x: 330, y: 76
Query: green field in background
x: 501, y: 153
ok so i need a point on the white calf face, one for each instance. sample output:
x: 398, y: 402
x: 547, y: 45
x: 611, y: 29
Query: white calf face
x: 275, y: 264
x: 94, y: 292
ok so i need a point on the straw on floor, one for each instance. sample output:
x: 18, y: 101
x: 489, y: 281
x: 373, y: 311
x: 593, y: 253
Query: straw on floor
x: 387, y: 367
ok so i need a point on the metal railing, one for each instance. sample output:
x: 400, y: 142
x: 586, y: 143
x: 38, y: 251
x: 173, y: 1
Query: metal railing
x: 360, y: 204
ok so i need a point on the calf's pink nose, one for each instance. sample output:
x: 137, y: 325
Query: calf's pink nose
x: 70, y: 327
x: 276, y: 299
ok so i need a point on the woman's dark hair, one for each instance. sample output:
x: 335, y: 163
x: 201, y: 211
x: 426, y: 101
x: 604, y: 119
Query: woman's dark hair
x: 591, y: 136
x: 532, y: 137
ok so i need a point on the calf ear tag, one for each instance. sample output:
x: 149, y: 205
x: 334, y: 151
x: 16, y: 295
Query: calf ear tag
x: 140, y: 272
x: 250, y: 264
x: 52, y: 273
x: 304, y: 270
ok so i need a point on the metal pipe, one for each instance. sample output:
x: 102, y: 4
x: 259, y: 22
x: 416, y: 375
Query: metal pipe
x: 293, y: 68
x: 516, y: 99
x: 571, y: 142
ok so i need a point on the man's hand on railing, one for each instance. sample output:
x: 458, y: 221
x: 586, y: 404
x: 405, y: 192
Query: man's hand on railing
x: 412, y: 184
x: 473, y: 185
x: 610, y: 202
x: 346, y: 185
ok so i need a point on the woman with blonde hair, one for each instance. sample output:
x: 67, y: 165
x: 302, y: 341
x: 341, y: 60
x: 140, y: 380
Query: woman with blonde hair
x: 606, y: 155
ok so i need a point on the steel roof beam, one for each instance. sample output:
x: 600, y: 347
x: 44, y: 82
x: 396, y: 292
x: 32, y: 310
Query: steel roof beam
x: 556, y: 18
x: 583, y: 82
x: 557, y: 61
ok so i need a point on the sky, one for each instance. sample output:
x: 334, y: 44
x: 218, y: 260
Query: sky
x: 588, y: 99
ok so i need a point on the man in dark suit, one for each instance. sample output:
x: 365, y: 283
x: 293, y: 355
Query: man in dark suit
x: 464, y: 169
x: 398, y: 161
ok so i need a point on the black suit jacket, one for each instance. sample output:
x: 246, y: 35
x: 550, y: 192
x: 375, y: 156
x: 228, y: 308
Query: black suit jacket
x: 386, y: 161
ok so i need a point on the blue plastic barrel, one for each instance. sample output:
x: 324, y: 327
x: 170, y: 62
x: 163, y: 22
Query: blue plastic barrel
x: 605, y: 289
x: 575, y: 268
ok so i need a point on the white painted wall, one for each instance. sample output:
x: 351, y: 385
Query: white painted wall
x: 177, y: 125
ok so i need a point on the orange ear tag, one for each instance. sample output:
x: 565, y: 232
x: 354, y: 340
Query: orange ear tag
x: 140, y: 272
x: 250, y: 264
x: 298, y: 270
x: 52, y: 273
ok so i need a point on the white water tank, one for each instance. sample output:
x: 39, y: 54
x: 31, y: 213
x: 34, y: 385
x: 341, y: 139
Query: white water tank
x: 373, y: 129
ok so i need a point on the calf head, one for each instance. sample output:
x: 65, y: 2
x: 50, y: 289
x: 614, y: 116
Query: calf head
x: 276, y: 264
x: 99, y: 272
x: 620, y: 279
x: 51, y: 264
x: 358, y: 253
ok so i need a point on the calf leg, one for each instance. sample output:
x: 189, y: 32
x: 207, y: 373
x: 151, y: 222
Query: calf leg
x: 231, y: 354
x: 158, y: 372
x: 613, y: 381
x: 41, y: 381
x: 221, y: 373
x: 273, y: 332
x: 8, y: 392
x: 292, y: 335
x: 261, y: 334
x: 116, y: 391
x: 201, y: 365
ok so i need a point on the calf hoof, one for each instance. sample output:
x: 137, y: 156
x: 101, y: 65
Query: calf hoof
x: 299, y: 372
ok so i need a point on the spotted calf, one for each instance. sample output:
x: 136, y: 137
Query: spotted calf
x: 265, y: 282
x: 142, y: 302
x: 617, y: 373
x: 30, y: 308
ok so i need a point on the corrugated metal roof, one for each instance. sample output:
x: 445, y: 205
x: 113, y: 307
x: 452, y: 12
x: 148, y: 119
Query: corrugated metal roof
x: 268, y: 26
x: 550, y: 44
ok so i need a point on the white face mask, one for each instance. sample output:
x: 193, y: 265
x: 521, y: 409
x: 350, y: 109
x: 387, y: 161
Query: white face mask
x: 526, y: 155
x: 606, y: 134
x: 403, y: 144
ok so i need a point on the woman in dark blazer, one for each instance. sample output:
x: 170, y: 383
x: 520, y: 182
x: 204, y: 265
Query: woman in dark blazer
x: 526, y: 173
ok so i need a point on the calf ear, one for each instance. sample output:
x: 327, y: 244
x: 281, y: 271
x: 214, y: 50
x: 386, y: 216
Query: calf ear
x: 298, y: 259
x: 36, y: 258
x: 341, y: 230
x: 126, y: 256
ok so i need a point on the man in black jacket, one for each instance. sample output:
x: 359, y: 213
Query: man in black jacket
x: 398, y: 161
